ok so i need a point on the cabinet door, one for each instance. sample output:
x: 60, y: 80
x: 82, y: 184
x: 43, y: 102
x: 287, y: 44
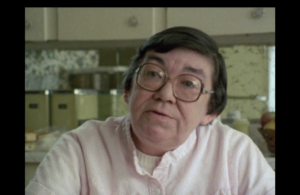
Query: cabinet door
x: 109, y: 23
x: 223, y: 21
x: 40, y: 24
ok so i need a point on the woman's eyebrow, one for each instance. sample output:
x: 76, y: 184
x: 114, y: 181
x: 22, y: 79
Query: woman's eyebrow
x: 156, y: 58
x: 190, y: 69
x: 197, y: 71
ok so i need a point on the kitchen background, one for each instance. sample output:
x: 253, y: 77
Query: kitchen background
x: 77, y: 65
x: 248, y: 68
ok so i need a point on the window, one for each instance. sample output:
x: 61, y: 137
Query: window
x: 271, y: 99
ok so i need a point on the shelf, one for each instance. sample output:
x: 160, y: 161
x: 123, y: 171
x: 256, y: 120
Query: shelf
x: 109, y: 69
x: 254, y: 97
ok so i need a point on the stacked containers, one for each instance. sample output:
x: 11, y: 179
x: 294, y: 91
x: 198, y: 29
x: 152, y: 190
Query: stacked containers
x: 69, y: 107
x: 37, y: 103
x: 64, y: 108
x: 111, y: 103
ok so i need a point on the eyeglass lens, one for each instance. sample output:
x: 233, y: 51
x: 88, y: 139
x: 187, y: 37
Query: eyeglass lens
x: 185, y: 87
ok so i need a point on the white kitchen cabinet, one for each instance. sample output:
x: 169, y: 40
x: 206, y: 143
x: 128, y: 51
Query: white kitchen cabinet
x: 223, y: 21
x: 85, y: 24
x: 129, y: 24
x: 40, y: 24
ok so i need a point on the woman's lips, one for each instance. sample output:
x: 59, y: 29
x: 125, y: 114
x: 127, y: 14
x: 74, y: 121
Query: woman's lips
x: 158, y: 114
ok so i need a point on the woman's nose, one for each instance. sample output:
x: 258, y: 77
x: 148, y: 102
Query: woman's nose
x: 165, y: 93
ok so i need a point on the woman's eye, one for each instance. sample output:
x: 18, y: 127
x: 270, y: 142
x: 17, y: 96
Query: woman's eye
x: 189, y: 84
x: 153, y: 74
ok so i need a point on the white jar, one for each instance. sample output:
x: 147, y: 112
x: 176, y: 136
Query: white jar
x: 241, y: 125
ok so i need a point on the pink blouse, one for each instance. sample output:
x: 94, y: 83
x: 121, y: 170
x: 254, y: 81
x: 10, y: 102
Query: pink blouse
x: 99, y: 157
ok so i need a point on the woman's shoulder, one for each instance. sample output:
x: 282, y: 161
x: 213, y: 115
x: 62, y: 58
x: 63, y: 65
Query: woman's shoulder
x: 94, y: 125
x: 224, y: 135
x: 94, y: 130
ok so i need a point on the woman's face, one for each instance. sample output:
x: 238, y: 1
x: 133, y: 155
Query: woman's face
x: 160, y: 122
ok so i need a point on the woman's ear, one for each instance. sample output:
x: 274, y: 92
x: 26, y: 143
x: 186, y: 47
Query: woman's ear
x: 208, y: 118
x: 126, y: 96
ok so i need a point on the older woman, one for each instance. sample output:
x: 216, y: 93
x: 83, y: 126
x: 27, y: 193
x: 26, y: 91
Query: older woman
x: 169, y: 142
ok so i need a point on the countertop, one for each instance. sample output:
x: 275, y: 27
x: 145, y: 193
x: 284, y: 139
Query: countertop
x: 34, y: 156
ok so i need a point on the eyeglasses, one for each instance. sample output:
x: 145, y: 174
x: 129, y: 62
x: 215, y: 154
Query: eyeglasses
x: 186, y: 87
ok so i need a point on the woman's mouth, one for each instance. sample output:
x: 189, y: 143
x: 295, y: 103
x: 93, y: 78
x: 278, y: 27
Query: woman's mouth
x: 159, y: 115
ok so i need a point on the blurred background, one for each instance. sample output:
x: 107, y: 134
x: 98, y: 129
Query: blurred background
x: 75, y: 58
